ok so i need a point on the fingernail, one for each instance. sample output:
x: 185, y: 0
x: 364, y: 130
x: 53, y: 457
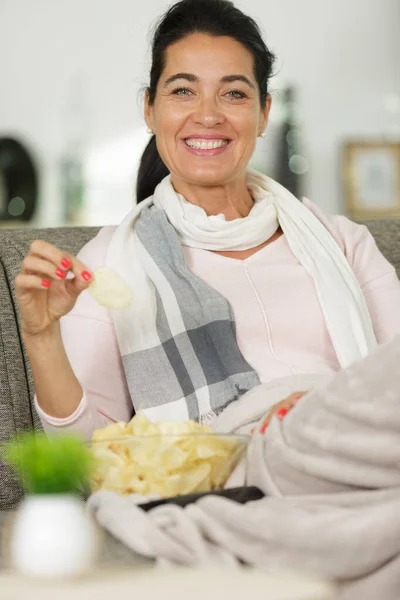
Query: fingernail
x: 86, y: 275
x: 263, y: 428
x: 252, y: 430
x: 60, y: 273
x: 46, y: 283
x: 297, y: 398
x: 281, y: 413
x: 66, y: 263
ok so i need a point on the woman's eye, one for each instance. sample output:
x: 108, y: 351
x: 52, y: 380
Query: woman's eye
x: 236, y: 94
x: 182, y: 92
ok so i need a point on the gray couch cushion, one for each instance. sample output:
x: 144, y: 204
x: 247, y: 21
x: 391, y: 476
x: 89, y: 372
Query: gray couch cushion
x: 387, y: 236
x: 16, y: 385
x: 15, y: 413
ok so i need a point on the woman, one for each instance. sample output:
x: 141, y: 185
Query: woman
x: 235, y: 282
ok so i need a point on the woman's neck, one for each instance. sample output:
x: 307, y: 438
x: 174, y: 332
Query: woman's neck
x: 232, y: 200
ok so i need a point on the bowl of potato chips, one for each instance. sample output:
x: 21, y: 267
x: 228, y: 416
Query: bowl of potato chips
x: 164, y: 459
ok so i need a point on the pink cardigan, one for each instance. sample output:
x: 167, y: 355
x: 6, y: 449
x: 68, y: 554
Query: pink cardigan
x: 280, y: 326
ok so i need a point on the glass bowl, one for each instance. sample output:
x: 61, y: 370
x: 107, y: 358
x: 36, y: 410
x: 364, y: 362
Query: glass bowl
x: 164, y: 465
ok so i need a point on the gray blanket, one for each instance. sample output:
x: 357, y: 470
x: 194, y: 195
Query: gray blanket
x: 331, y: 473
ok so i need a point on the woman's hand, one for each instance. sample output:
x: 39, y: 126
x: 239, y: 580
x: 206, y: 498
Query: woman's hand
x: 44, y: 293
x: 281, y: 409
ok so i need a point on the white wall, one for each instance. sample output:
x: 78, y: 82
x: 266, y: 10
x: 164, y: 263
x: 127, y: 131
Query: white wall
x: 343, y: 55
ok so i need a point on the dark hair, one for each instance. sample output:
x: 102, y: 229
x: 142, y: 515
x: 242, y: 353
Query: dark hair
x: 216, y: 18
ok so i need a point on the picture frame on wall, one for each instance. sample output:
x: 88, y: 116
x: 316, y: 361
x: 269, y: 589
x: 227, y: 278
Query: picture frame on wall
x: 372, y: 179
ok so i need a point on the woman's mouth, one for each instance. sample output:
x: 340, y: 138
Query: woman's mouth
x: 206, y: 147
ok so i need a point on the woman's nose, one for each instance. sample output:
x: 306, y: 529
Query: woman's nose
x: 208, y: 113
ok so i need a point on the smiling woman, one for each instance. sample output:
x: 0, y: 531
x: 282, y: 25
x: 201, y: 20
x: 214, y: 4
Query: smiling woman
x: 199, y: 107
x: 234, y: 281
x: 206, y: 122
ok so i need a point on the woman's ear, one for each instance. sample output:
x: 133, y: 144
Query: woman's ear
x: 265, y: 113
x: 148, y: 111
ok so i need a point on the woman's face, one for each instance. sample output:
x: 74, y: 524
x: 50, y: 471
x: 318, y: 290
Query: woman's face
x: 207, y: 113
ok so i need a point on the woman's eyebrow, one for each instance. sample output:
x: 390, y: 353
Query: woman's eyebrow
x: 193, y: 78
x: 188, y: 76
x: 232, y: 78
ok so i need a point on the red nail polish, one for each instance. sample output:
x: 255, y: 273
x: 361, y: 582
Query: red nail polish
x: 281, y: 413
x: 60, y: 273
x: 66, y: 263
x: 252, y: 430
x: 297, y: 398
x: 86, y: 275
x: 46, y: 283
x: 263, y: 428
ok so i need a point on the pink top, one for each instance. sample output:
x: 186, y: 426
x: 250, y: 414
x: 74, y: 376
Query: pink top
x: 280, y: 326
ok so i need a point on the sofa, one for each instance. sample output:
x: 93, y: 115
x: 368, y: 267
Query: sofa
x: 17, y: 411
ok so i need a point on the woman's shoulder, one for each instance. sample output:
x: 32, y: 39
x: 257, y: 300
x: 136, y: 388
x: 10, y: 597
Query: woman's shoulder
x: 347, y: 233
x: 93, y: 254
x: 356, y: 242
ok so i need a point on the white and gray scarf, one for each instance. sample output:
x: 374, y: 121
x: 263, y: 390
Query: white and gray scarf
x: 178, y: 338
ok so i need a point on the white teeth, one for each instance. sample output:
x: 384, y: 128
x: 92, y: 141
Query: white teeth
x: 205, y: 144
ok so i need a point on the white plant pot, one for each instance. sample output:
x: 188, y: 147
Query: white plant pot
x: 53, y: 536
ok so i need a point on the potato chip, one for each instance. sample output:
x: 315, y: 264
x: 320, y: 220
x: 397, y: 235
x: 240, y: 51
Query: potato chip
x: 114, y: 479
x: 137, y: 485
x: 164, y: 459
x: 140, y: 425
x: 193, y: 477
x: 114, y: 430
x: 109, y: 289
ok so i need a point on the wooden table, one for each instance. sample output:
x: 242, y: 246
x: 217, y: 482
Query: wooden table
x: 123, y: 574
x: 143, y: 583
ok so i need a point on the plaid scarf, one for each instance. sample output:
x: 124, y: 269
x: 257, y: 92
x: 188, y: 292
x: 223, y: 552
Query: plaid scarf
x: 178, y: 338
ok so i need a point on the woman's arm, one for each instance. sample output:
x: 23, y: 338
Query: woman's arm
x: 55, y: 382
x: 92, y: 350
x: 87, y: 355
x: 378, y: 280
x: 383, y: 300
x: 376, y: 276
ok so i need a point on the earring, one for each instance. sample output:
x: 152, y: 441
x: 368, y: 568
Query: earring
x: 150, y: 131
x: 262, y: 134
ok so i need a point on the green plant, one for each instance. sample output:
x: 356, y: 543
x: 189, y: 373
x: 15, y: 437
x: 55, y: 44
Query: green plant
x: 49, y: 465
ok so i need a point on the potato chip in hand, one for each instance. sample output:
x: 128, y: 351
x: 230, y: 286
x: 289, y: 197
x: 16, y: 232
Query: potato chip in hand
x: 109, y: 289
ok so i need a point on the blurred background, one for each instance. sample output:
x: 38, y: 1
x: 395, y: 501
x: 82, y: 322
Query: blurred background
x: 71, y: 126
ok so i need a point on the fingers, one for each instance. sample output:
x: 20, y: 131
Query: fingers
x: 289, y: 403
x: 281, y: 409
x: 76, y: 285
x: 34, y: 265
x: 59, y: 260
x: 48, y: 262
x: 31, y: 282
